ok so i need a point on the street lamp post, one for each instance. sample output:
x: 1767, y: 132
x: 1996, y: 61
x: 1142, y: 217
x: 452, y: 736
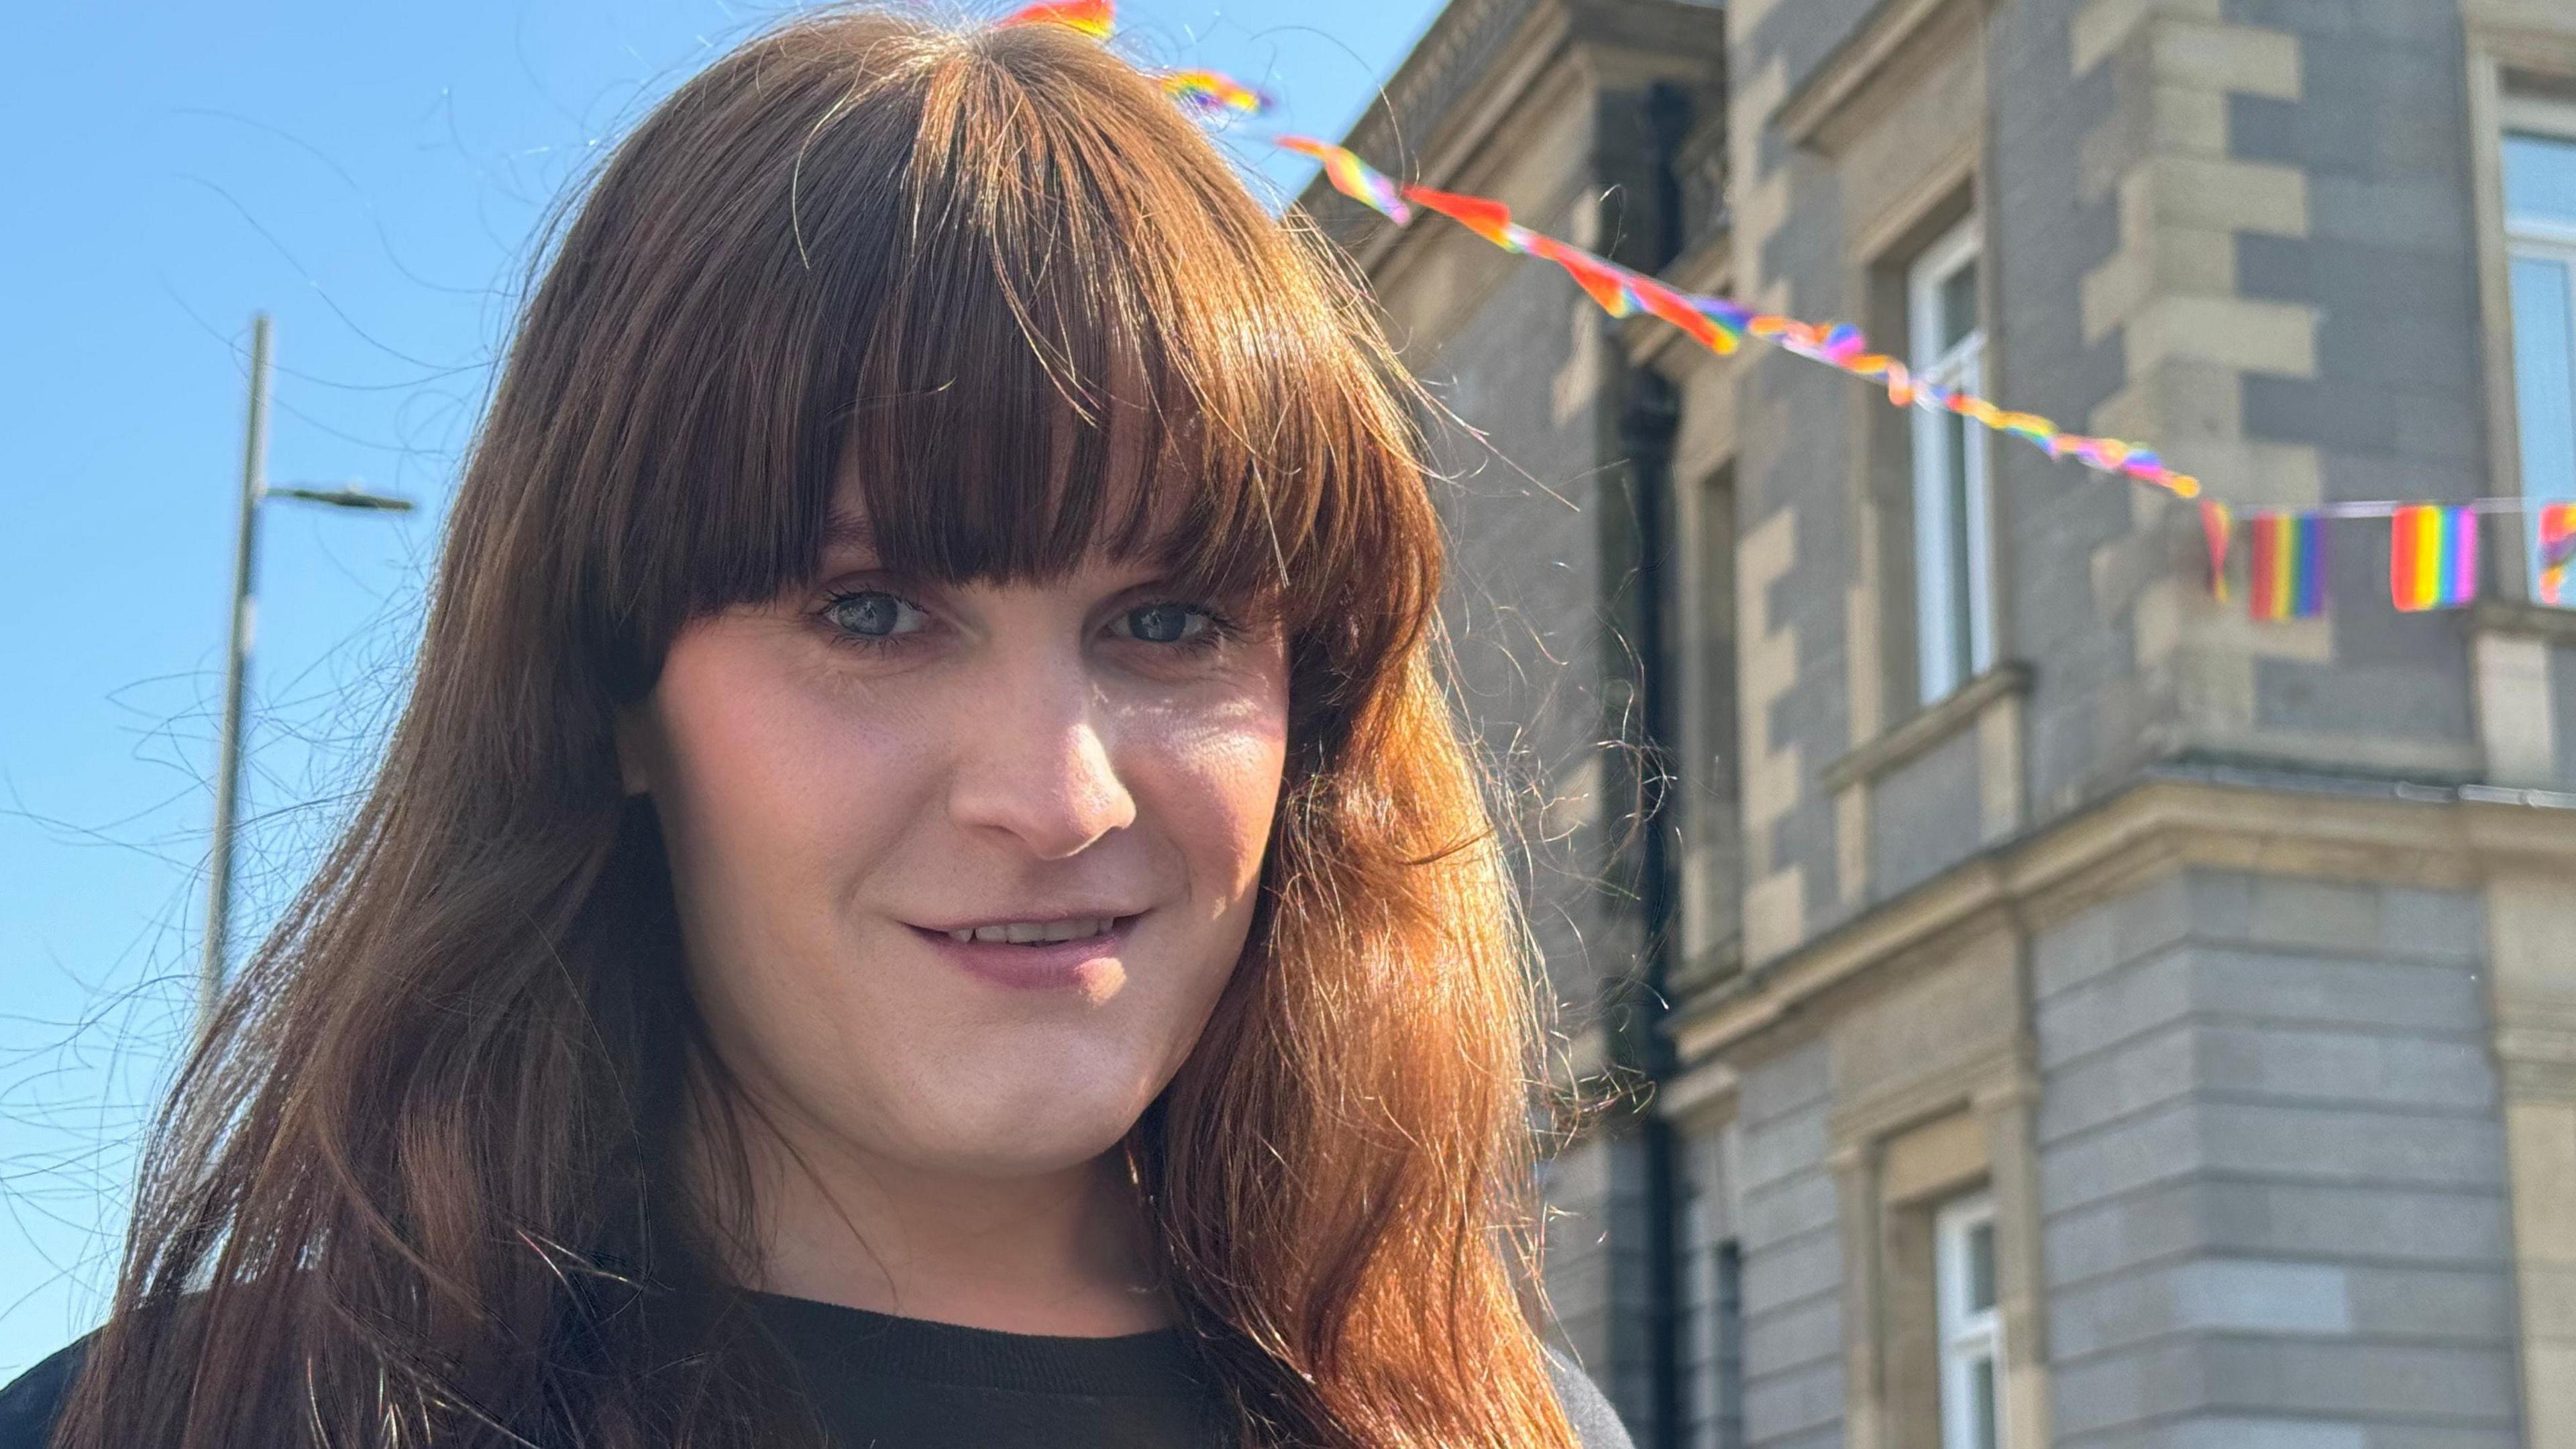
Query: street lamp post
x: 228, y: 747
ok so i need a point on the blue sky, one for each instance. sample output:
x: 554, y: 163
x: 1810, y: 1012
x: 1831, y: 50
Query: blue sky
x: 372, y: 175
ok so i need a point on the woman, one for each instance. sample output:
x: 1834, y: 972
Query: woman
x: 925, y: 893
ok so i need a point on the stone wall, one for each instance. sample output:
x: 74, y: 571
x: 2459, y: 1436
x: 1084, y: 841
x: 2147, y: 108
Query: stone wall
x: 1793, y: 1265
x: 2272, y: 1173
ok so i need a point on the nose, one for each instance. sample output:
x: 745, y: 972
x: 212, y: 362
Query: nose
x: 1034, y: 763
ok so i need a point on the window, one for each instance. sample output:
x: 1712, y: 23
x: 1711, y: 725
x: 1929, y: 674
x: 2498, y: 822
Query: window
x: 2540, y: 237
x: 1971, y: 1333
x: 1953, y: 545
x: 1712, y: 1307
x: 1728, y: 1369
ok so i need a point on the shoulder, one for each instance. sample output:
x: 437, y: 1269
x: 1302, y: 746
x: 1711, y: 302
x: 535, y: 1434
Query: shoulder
x: 29, y: 1406
x: 1596, y: 1424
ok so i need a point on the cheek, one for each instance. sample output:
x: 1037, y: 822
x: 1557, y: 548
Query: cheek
x: 1211, y: 777
x: 1235, y: 780
x: 771, y: 783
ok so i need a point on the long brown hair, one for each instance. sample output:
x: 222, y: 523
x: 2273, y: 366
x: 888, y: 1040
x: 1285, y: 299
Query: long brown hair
x: 418, y: 1185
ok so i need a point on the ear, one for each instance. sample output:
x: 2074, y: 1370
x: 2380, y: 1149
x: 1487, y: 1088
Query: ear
x: 632, y: 733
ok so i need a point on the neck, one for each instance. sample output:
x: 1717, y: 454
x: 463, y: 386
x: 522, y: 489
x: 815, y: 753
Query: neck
x: 1064, y: 1253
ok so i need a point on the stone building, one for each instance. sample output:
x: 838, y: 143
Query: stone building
x: 2076, y: 1015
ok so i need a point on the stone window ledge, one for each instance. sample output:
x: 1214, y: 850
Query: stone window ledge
x: 1927, y: 727
x: 2545, y: 622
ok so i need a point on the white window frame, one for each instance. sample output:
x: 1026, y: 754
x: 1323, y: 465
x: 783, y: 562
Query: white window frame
x: 1969, y: 1336
x: 1954, y: 562
x: 2533, y: 239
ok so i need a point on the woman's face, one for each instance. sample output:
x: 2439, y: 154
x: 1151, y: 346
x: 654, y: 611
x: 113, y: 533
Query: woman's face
x: 962, y: 870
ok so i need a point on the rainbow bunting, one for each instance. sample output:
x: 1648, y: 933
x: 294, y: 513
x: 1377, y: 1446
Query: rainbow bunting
x: 1488, y: 219
x: 2218, y: 526
x: 1604, y: 281
x: 1713, y: 327
x: 1095, y: 18
x: 2433, y: 555
x: 2433, y: 558
x: 1354, y: 177
x: 2286, y: 571
x: 2557, y: 550
x: 1213, y: 93
x: 1721, y: 325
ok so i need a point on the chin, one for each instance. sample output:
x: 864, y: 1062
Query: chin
x: 1036, y: 1133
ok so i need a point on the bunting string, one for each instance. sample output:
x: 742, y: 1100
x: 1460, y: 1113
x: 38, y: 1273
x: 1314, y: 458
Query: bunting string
x: 2434, y: 546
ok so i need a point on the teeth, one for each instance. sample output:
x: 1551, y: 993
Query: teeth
x: 1027, y: 932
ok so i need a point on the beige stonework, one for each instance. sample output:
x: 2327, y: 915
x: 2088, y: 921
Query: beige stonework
x: 2172, y: 296
x: 1766, y: 666
x: 2002, y: 809
x: 2007, y: 1107
x: 1775, y: 913
x: 1774, y: 774
x: 2181, y: 261
x: 1943, y: 1157
x: 2279, y: 338
x: 1930, y: 1104
x: 2515, y: 723
x: 2540, y: 1140
x: 1851, y: 844
x: 2539, y: 19
x: 2531, y: 919
x: 2102, y: 27
x: 1761, y: 198
x: 1578, y: 383
x: 2238, y: 59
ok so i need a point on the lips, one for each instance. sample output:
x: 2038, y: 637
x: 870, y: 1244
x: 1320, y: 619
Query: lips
x: 1023, y: 933
x: 1046, y: 956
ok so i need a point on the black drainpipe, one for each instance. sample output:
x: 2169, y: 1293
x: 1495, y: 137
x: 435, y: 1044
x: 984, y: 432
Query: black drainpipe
x: 1646, y: 430
x: 1668, y: 124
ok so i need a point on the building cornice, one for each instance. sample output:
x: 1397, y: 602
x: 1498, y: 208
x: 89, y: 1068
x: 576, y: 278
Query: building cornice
x: 1468, y: 72
x: 1457, y: 55
x: 1893, y: 35
x: 2433, y: 836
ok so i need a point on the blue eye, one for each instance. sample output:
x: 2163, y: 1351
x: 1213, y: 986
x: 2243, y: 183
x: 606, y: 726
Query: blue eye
x: 871, y: 614
x: 1177, y: 625
x: 1167, y: 623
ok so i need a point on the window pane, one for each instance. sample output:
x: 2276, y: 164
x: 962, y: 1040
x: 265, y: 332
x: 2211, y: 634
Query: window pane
x: 2544, y: 366
x: 1981, y: 1267
x: 1958, y: 305
x: 1981, y: 1404
x: 1954, y: 591
x: 1939, y: 585
x: 1964, y: 513
x: 2540, y: 179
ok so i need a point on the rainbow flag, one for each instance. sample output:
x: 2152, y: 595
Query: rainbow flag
x: 1095, y: 18
x: 2433, y: 558
x: 2218, y: 526
x: 1215, y: 93
x: 2286, y: 573
x: 1353, y: 177
x: 2557, y: 551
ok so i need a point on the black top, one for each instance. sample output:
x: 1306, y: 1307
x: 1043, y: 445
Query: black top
x: 882, y: 1382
